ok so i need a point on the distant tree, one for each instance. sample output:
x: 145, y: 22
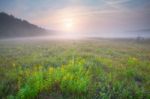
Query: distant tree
x: 139, y: 39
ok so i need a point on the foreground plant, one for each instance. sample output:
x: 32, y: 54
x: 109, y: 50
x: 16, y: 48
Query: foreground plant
x: 68, y: 79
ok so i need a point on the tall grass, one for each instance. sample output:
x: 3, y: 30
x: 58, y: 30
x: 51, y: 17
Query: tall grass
x: 67, y: 79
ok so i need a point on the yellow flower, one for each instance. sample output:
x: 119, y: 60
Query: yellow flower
x: 51, y: 69
x: 14, y: 65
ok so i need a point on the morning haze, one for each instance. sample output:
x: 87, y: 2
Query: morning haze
x: 100, y: 18
x: 74, y: 49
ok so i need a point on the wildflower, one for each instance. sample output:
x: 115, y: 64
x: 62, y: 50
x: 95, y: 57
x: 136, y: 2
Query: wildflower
x: 14, y: 65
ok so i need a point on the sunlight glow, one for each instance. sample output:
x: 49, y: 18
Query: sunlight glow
x: 69, y: 24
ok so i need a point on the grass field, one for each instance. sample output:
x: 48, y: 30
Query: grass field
x: 75, y: 69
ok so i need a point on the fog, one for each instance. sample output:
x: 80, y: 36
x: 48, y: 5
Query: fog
x: 75, y: 19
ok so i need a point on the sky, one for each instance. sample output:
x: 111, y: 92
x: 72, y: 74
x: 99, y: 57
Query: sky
x: 105, y: 18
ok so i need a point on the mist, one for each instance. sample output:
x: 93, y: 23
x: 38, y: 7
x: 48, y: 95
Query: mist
x: 75, y: 19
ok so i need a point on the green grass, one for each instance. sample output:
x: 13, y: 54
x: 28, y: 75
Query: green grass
x: 69, y: 79
x: 86, y: 69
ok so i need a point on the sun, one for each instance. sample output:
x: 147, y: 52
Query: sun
x: 68, y: 24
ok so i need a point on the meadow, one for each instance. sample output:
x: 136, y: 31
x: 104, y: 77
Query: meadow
x: 75, y: 69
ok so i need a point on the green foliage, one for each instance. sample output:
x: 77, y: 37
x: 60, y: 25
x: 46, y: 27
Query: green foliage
x: 75, y: 79
x: 32, y: 86
x: 68, y: 79
x: 91, y: 69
